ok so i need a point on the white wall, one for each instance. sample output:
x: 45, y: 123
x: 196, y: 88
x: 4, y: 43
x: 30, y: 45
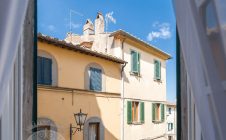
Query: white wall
x: 144, y: 89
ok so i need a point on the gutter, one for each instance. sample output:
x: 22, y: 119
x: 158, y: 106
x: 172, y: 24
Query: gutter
x: 122, y: 92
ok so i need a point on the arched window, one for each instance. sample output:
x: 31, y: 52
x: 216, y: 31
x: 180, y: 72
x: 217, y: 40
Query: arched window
x: 46, y: 129
x: 94, y: 77
x: 46, y: 69
x: 93, y: 129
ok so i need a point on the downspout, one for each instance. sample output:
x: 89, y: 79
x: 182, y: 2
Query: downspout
x: 122, y: 93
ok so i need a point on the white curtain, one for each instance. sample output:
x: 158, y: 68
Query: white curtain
x: 12, y: 15
x: 93, y: 132
x: 201, y: 26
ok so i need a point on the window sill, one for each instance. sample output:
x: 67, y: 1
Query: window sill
x: 135, y: 74
x: 137, y: 123
x: 158, y: 80
x: 157, y: 121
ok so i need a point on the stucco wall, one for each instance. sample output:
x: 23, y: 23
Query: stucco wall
x: 59, y: 107
x: 144, y: 86
x: 72, y: 65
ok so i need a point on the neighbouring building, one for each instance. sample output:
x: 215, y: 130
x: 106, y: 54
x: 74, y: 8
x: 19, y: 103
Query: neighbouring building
x: 118, y: 79
x: 171, y: 120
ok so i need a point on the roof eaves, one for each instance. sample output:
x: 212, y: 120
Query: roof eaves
x: 124, y: 33
x: 70, y: 46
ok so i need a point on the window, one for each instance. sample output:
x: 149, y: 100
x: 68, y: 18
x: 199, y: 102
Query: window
x: 170, y: 109
x: 157, y: 70
x: 158, y: 112
x: 95, y: 79
x: 170, y: 126
x: 170, y: 138
x: 135, y: 62
x: 43, y: 132
x: 94, y: 131
x: 44, y: 71
x: 135, y: 112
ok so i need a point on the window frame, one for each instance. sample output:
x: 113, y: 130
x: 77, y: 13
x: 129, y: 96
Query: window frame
x: 170, y: 110
x: 137, y: 73
x: 101, y: 77
x: 157, y: 63
x: 140, y: 113
x: 157, y: 116
x: 43, y: 61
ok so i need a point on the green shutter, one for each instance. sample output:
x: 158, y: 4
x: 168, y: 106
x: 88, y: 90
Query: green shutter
x: 129, y: 112
x: 162, y: 112
x: 134, y: 61
x: 138, y: 62
x: 153, y: 111
x: 142, y: 112
x: 157, y: 70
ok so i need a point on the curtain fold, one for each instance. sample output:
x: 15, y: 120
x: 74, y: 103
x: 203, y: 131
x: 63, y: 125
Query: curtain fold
x: 12, y: 15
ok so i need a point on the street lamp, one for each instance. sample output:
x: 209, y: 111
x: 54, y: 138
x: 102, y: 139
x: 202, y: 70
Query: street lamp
x: 80, y: 119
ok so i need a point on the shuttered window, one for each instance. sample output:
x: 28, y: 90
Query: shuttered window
x: 44, y: 71
x: 157, y: 70
x: 158, y: 112
x: 95, y: 79
x: 135, y: 112
x: 135, y: 62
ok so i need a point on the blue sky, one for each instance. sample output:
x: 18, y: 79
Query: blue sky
x: 151, y: 20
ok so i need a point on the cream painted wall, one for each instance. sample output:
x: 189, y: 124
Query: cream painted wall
x: 146, y: 130
x: 71, y: 68
x: 144, y: 87
x: 59, y: 106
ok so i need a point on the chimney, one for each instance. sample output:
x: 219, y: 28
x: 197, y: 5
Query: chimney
x: 99, y: 23
x: 88, y: 28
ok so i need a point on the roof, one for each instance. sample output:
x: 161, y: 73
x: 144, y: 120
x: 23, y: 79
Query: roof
x: 171, y: 104
x: 63, y: 44
x: 147, y: 45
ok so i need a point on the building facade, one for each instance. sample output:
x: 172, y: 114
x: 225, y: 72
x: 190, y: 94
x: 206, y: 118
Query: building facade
x: 118, y: 79
x: 67, y: 84
x: 171, y: 119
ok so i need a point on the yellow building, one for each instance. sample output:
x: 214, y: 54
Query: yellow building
x: 68, y: 91
x: 118, y: 79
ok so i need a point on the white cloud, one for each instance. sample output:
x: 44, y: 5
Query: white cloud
x: 163, y: 31
x: 110, y: 18
x: 75, y: 25
x: 51, y: 28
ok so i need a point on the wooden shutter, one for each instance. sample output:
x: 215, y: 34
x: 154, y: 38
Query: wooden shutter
x: 129, y: 112
x: 153, y: 111
x: 95, y: 79
x: 134, y: 61
x: 162, y: 112
x: 142, y: 112
x: 138, y: 62
x: 39, y: 70
x: 47, y: 71
x: 157, y: 69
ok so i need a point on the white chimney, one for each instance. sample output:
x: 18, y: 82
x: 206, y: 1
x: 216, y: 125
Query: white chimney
x: 88, y: 28
x: 99, y: 23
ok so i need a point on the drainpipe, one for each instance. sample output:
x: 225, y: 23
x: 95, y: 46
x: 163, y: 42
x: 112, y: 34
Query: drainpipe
x: 122, y: 93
